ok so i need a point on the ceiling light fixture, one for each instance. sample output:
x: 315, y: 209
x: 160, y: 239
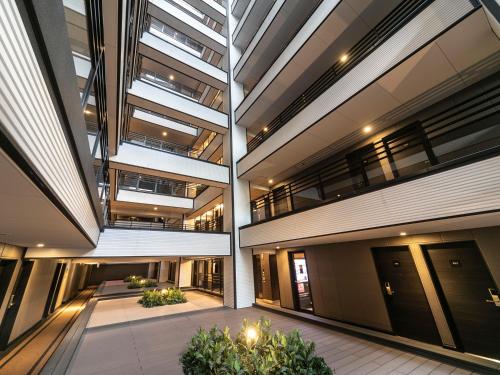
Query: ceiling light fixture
x: 270, y: 181
x: 402, y: 233
x: 343, y: 58
x: 265, y: 129
x: 164, y: 134
x: 171, y: 77
x: 367, y: 129
x: 40, y: 245
x: 156, y: 208
x: 277, y: 247
x: 87, y: 112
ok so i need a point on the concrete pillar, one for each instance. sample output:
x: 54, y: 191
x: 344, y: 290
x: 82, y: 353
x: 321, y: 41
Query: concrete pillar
x: 163, y: 271
x: 185, y: 273
x: 238, y: 273
x: 151, y: 271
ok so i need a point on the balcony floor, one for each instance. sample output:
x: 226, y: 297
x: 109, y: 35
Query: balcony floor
x: 154, y: 346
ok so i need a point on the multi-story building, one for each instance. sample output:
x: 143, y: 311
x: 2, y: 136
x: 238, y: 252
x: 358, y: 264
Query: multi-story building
x: 336, y: 158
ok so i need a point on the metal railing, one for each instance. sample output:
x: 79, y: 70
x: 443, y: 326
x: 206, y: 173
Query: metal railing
x: 400, y: 16
x: 171, y: 85
x: 456, y: 134
x: 211, y: 226
x: 157, y: 185
x: 160, y: 144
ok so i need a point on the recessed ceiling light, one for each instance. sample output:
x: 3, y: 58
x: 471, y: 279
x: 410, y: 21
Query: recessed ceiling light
x: 40, y: 245
x: 277, y: 247
x: 87, y: 112
x: 367, y: 129
x: 171, y: 77
x: 270, y: 181
x: 402, y: 233
x: 156, y: 208
x: 265, y: 129
x: 164, y: 134
x: 343, y: 58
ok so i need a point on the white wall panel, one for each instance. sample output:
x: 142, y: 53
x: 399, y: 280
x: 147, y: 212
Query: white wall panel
x: 178, y: 107
x: 154, y: 199
x: 28, y: 116
x: 211, y: 8
x: 188, y: 25
x: 417, y: 33
x: 466, y: 190
x: 137, y: 243
x: 180, y: 167
x: 166, y: 53
x: 166, y: 123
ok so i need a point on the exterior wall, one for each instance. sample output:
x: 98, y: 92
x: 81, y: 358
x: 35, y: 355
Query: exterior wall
x: 35, y: 296
x: 345, y: 286
x: 116, y: 272
x: 30, y: 119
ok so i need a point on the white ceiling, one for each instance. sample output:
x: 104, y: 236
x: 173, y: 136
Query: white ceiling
x: 453, y: 61
x: 28, y: 217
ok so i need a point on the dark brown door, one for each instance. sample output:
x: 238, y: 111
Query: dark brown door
x: 257, y: 276
x: 7, y: 268
x: 406, y: 302
x: 16, y: 297
x: 55, y: 286
x: 467, y: 291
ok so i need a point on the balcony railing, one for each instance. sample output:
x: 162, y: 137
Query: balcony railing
x: 211, y: 226
x: 171, y: 85
x: 400, y: 16
x: 180, y: 39
x: 465, y: 131
x: 160, y: 144
x: 156, y: 185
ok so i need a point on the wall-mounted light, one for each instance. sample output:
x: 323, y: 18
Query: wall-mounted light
x: 367, y: 129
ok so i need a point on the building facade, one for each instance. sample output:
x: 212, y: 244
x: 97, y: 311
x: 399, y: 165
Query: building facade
x: 335, y: 158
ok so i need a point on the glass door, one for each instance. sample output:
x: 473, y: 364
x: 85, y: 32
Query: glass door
x: 300, y: 282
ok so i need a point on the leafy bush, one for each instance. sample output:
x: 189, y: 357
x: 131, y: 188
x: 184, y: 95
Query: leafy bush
x: 264, y: 353
x: 141, y: 283
x: 170, y: 296
x: 131, y: 278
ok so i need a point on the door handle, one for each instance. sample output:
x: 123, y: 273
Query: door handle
x: 11, y: 301
x: 388, y: 289
x: 495, y: 298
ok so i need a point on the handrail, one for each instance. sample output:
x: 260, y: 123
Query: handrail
x: 400, y: 16
x: 210, y: 226
x: 160, y: 144
x: 157, y: 185
x: 462, y: 130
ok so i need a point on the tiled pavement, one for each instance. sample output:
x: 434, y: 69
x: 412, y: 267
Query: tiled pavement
x: 154, y: 347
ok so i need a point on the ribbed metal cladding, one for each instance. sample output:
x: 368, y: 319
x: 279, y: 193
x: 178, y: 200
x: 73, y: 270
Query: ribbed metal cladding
x: 28, y: 116
x: 433, y: 20
x: 136, y: 243
x: 465, y: 190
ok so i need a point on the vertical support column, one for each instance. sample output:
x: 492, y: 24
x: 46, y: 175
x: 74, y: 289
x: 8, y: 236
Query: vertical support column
x: 163, y: 271
x: 151, y: 270
x: 185, y: 272
x: 432, y: 297
x: 238, y: 273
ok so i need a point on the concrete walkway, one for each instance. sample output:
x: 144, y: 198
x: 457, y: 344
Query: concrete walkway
x: 128, y: 309
x: 154, y: 346
x: 30, y: 354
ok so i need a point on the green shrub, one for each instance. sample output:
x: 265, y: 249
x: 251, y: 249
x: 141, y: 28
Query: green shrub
x: 170, y: 296
x: 141, y: 283
x: 214, y: 352
x: 131, y: 278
